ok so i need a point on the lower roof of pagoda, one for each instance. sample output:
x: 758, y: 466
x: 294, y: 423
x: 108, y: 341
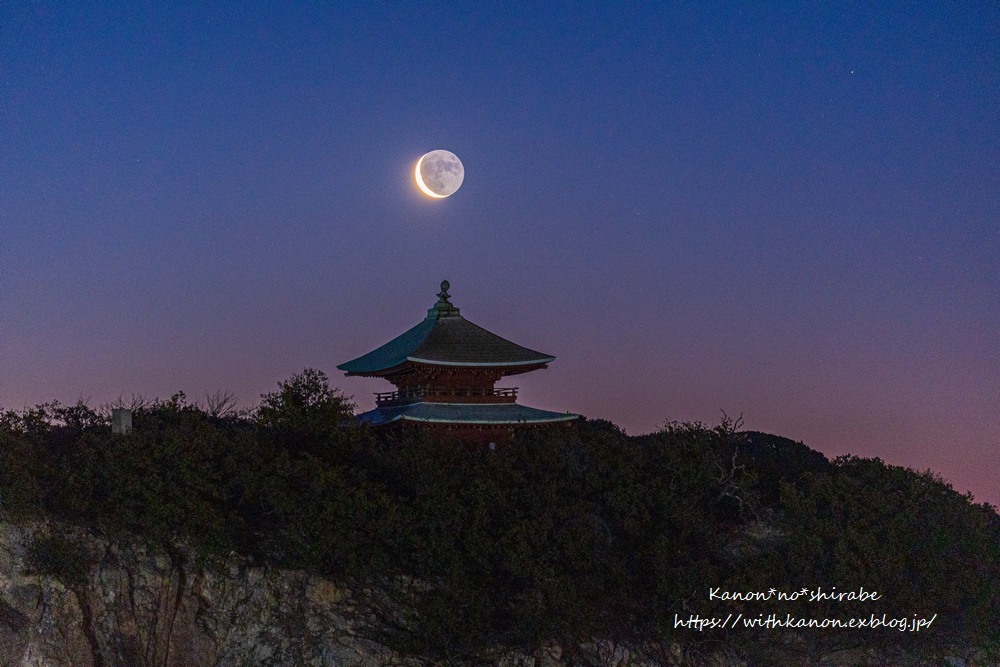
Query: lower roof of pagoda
x: 464, y: 414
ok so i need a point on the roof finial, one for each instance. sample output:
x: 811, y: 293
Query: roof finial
x: 443, y: 307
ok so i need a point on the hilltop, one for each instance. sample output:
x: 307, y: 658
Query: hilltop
x: 580, y: 544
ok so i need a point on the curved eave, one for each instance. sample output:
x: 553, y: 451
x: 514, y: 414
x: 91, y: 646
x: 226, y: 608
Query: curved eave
x: 483, y: 422
x: 412, y: 362
x: 465, y: 414
x: 488, y: 364
x: 377, y: 373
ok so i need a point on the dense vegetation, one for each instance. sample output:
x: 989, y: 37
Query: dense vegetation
x: 564, y: 534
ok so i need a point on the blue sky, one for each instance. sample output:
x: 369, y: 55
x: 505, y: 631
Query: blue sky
x: 788, y: 210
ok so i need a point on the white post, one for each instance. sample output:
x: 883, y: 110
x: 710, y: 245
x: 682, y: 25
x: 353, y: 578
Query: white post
x: 121, y: 420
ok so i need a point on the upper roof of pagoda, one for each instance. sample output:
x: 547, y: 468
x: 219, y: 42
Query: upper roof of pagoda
x: 445, y: 338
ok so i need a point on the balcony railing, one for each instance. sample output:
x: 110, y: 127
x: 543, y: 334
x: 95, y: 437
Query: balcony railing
x: 446, y: 395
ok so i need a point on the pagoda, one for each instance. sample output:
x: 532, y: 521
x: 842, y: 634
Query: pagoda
x: 444, y: 370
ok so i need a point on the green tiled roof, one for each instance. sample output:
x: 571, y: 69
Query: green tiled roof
x: 445, y: 338
x: 500, y: 414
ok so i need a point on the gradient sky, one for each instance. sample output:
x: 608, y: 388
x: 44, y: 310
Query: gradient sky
x: 789, y: 211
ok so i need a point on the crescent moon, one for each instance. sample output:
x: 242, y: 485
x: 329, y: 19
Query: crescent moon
x: 420, y: 181
x: 439, y: 174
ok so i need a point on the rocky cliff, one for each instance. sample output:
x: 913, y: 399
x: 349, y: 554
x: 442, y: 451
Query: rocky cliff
x: 106, y: 604
x: 110, y: 604
x: 68, y: 598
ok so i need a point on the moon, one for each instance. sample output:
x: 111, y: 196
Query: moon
x: 439, y: 174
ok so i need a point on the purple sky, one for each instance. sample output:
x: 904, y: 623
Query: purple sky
x: 785, y: 210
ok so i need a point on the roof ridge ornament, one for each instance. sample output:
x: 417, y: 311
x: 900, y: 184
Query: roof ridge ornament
x: 443, y: 307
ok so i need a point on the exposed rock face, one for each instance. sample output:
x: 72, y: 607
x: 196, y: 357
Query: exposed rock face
x: 131, y: 607
x: 108, y: 605
x: 127, y: 606
x: 123, y: 605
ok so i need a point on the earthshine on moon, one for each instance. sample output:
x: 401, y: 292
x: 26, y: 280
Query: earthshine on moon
x: 439, y: 174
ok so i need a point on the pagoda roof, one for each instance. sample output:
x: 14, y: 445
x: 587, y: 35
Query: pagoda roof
x: 445, y: 338
x: 465, y: 414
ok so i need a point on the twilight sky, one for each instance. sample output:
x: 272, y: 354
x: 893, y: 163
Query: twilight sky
x: 785, y: 210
